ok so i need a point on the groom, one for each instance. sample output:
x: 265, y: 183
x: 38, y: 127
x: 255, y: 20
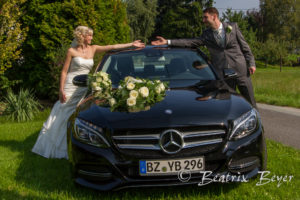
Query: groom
x: 227, y: 47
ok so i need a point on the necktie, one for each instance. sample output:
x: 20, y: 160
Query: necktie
x: 220, y: 40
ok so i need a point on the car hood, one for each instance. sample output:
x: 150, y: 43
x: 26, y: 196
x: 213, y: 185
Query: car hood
x: 180, y: 107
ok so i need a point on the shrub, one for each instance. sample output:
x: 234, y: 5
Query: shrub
x: 55, y: 67
x: 21, y: 107
x: 51, y: 24
x: 11, y: 33
x: 5, y: 84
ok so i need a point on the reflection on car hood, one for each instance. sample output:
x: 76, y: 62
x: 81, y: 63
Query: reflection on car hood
x: 181, y: 107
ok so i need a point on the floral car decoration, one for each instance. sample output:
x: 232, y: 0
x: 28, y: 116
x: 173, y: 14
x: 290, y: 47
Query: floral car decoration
x: 132, y: 95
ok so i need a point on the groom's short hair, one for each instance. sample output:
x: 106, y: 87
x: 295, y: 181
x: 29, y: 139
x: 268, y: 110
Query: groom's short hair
x: 211, y: 10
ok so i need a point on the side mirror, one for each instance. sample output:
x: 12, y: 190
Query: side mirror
x: 80, y: 80
x: 229, y: 73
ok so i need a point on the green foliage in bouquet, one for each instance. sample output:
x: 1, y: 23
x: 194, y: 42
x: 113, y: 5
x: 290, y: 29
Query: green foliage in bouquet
x: 132, y: 95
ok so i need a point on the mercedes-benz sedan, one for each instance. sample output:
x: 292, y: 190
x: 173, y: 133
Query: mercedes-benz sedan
x: 201, y: 131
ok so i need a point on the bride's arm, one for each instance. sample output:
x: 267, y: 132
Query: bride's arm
x: 64, y: 71
x: 136, y: 43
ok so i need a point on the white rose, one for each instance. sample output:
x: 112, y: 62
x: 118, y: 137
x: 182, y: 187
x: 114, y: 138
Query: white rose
x: 106, y: 83
x: 137, y: 80
x: 130, y: 86
x: 98, y: 79
x: 157, y: 90
x: 133, y: 94
x: 131, y: 101
x: 98, y: 88
x: 144, y: 91
x: 162, y: 87
x: 105, y: 78
x: 112, y: 101
x: 128, y: 79
x: 94, y: 84
x: 102, y: 73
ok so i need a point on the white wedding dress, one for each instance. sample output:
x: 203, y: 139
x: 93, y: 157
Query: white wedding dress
x: 52, y: 140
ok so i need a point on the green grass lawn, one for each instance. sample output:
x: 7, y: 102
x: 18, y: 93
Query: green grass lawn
x: 277, y: 88
x: 24, y: 175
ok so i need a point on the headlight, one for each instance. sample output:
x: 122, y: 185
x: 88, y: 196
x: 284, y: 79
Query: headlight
x: 244, y: 125
x: 89, y: 133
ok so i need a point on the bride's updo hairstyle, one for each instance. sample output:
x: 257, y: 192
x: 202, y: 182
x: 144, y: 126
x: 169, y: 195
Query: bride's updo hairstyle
x: 79, y: 34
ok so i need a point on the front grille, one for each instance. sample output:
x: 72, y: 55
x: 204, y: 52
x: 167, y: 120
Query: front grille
x: 196, y: 140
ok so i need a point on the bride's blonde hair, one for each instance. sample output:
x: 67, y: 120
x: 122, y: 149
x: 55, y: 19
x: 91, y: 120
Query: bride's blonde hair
x: 79, y: 34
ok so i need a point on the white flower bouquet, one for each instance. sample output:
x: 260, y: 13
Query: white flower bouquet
x: 132, y: 95
x: 100, y: 84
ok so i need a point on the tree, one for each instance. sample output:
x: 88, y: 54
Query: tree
x: 281, y: 18
x: 141, y: 15
x: 274, y: 51
x: 255, y: 21
x: 51, y: 24
x: 11, y: 33
x: 180, y: 18
x: 242, y: 20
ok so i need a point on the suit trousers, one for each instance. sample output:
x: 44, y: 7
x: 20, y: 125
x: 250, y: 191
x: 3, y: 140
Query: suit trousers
x: 245, y: 87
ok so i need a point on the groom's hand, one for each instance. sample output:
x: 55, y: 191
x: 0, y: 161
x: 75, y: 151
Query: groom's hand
x: 159, y: 41
x: 252, y: 69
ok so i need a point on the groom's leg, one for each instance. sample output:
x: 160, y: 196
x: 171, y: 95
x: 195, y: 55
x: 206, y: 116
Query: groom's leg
x: 246, y: 89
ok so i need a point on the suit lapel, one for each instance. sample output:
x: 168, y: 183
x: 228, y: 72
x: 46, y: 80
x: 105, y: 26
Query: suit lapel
x: 225, y: 25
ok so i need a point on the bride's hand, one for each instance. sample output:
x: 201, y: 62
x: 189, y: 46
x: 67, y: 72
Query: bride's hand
x: 138, y: 44
x: 62, y: 97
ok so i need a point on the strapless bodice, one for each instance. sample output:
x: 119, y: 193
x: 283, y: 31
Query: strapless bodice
x: 80, y: 65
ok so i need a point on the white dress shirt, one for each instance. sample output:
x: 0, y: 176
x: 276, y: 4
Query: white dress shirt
x: 219, y: 35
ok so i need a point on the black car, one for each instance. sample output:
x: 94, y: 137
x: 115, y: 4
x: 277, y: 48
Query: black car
x: 202, y: 128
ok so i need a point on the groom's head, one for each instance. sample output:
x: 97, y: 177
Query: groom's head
x: 210, y: 17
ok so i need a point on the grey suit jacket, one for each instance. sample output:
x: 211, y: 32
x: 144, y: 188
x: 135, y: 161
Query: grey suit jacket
x: 236, y: 54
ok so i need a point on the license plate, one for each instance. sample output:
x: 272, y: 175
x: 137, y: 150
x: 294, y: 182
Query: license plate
x: 173, y: 166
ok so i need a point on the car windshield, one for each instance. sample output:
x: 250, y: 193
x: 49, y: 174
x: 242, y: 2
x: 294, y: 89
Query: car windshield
x: 163, y: 64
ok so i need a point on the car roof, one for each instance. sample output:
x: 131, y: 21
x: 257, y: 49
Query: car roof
x: 149, y: 48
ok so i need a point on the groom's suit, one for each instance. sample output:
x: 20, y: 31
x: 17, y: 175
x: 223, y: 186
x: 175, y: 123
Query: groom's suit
x: 235, y: 54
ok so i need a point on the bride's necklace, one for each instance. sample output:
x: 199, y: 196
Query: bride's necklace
x: 84, y: 50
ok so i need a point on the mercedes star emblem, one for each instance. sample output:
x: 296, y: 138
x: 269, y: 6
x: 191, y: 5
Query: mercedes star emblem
x: 171, y: 141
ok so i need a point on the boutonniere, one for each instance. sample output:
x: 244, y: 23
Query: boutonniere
x: 228, y: 29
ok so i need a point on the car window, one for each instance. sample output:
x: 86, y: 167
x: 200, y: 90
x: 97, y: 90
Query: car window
x: 166, y: 65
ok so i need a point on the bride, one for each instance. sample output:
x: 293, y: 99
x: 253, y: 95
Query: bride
x: 52, y: 140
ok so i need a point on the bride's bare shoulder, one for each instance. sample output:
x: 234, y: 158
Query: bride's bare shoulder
x: 71, y: 51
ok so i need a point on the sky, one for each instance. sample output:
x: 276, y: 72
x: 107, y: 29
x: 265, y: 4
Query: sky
x: 222, y: 5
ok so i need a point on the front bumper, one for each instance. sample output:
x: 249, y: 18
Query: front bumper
x: 107, y: 169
